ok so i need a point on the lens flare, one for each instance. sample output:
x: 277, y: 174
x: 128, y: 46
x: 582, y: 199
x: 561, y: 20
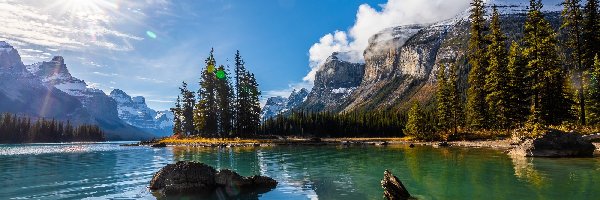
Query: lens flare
x: 151, y: 34
x: 220, y: 74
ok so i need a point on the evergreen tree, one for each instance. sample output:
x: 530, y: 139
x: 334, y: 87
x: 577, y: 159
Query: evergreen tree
x: 476, y: 105
x: 594, y: 92
x: 224, y: 97
x: 254, y: 104
x: 415, y: 125
x: 177, y: 127
x: 572, y: 30
x: 517, y: 86
x: 187, y: 110
x: 496, y: 83
x: 241, y: 95
x: 591, y: 33
x: 207, y: 108
x: 550, y: 103
x: 444, y: 102
x: 455, y: 98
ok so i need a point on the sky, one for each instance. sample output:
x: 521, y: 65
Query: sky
x: 148, y: 47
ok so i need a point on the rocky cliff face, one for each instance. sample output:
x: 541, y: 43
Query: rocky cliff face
x: 334, y: 83
x: 136, y: 112
x: 401, y: 63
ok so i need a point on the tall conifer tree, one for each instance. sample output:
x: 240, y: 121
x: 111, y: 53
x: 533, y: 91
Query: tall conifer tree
x: 572, y: 30
x: 476, y: 105
x: 496, y: 83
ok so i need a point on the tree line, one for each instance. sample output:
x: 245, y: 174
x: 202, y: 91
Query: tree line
x: 224, y: 106
x: 546, y: 78
x: 14, y: 129
x: 328, y: 124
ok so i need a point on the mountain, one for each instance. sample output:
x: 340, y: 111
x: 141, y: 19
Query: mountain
x: 47, y: 90
x: 278, y: 104
x: 134, y: 111
x: 401, y: 63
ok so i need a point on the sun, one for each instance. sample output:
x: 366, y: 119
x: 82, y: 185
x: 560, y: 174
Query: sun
x: 79, y: 8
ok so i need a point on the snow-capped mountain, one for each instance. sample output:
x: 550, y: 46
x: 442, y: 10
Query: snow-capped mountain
x: 135, y: 112
x: 48, y: 90
x: 277, y: 105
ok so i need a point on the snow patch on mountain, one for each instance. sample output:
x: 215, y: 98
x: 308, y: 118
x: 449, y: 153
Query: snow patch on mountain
x: 135, y: 111
x: 277, y: 105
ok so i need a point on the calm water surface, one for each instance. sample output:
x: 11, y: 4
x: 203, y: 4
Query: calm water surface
x: 108, y: 171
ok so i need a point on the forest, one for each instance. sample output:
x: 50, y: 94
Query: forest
x: 14, y: 129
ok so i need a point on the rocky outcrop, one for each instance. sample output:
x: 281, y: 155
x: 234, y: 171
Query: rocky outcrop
x: 555, y: 143
x: 334, y: 83
x: 186, y: 177
x: 393, y: 189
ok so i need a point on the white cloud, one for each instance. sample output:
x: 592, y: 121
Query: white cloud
x: 68, y: 25
x: 370, y: 20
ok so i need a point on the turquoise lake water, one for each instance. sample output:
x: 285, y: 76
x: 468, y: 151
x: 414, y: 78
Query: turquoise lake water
x: 108, y: 171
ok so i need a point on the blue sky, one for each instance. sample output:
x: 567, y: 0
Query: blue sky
x: 106, y: 42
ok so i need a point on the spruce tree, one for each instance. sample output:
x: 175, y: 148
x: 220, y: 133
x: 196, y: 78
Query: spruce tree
x: 224, y: 97
x: 594, y: 92
x: 415, y: 125
x: 517, y: 86
x: 254, y: 104
x: 496, y: 83
x: 476, y: 105
x: 177, y: 127
x: 572, y: 30
x: 455, y: 98
x: 550, y: 102
x: 591, y: 32
x: 187, y: 109
x: 444, y: 104
x: 206, y: 110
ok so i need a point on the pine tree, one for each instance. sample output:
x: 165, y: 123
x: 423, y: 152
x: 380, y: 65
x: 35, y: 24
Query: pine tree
x: 241, y: 95
x: 455, y: 98
x: 206, y: 110
x: 591, y: 33
x: 572, y: 31
x: 254, y: 104
x: 415, y: 125
x: 550, y: 103
x: 594, y: 92
x: 187, y: 110
x: 444, y: 104
x: 517, y: 86
x: 476, y: 105
x: 224, y: 97
x: 496, y: 83
x: 177, y: 127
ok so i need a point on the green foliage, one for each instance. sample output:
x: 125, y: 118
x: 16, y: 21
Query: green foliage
x: 327, y: 124
x: 518, y: 104
x: 594, y: 93
x: 497, y: 79
x: 591, y: 32
x: 187, y: 110
x: 15, y: 129
x: 476, y: 105
x: 443, y: 100
x: 572, y: 30
x: 177, y: 128
x: 550, y: 100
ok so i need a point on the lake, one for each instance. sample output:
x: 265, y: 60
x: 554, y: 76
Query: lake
x: 109, y: 171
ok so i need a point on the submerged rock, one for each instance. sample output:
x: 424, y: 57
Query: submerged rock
x: 186, y: 177
x: 393, y: 189
x: 555, y: 143
x: 159, y: 145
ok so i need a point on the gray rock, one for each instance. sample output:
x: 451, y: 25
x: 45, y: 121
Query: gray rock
x: 555, y: 143
x: 393, y: 189
x: 186, y: 177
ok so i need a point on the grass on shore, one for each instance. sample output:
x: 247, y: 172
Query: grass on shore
x: 192, y: 140
x: 201, y: 140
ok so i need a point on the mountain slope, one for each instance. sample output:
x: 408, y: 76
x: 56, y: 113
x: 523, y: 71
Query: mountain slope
x: 47, y: 90
x: 135, y: 112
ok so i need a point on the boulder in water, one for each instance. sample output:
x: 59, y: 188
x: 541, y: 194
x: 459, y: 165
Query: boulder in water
x: 393, y: 189
x: 186, y: 177
x: 555, y: 143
